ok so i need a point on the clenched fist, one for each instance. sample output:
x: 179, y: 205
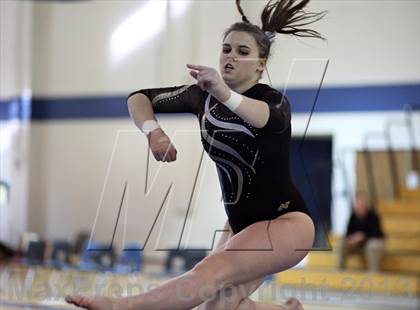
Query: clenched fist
x: 161, y: 146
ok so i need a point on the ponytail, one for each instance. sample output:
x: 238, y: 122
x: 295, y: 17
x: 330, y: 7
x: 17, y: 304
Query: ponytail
x: 287, y: 16
x: 281, y: 16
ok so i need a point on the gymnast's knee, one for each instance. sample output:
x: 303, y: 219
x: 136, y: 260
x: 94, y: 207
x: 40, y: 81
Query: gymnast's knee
x: 215, y: 269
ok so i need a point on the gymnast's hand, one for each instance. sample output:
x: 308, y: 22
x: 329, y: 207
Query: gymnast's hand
x: 161, y: 146
x: 210, y: 80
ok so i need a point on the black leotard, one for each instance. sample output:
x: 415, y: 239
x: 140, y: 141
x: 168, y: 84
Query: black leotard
x: 252, y: 163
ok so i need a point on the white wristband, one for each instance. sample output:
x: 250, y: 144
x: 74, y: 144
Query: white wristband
x: 234, y: 100
x: 148, y: 126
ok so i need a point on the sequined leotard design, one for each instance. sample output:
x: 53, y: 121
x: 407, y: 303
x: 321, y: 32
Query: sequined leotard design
x: 252, y: 163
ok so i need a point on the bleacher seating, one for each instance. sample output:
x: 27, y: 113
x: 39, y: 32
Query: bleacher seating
x: 401, y: 265
x: 96, y: 256
x: 131, y: 259
x: 35, y: 253
x: 60, y: 255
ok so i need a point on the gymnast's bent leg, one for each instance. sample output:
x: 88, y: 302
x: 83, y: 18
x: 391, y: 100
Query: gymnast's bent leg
x: 237, y: 296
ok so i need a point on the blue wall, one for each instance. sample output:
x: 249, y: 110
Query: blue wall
x: 329, y: 99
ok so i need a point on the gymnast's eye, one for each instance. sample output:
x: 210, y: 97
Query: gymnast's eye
x: 226, y: 50
x: 242, y: 52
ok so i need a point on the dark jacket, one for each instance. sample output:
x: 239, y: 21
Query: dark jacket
x: 370, y: 225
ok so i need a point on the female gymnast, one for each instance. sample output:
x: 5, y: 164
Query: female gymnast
x: 245, y: 129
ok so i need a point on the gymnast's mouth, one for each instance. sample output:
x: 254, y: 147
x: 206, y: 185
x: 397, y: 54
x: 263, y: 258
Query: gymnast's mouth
x: 229, y: 67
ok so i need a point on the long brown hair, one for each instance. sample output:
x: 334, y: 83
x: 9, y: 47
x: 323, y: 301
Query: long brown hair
x: 281, y: 16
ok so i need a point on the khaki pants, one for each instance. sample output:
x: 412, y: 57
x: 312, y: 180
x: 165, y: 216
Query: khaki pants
x: 372, y: 252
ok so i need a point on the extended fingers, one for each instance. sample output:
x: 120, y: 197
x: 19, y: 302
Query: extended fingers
x: 205, y: 76
x: 197, y: 67
x: 194, y: 74
x: 200, y: 73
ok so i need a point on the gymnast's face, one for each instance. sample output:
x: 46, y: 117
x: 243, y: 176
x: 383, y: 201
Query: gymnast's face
x: 239, y: 59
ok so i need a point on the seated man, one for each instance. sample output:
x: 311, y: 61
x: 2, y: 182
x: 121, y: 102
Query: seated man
x: 364, y: 235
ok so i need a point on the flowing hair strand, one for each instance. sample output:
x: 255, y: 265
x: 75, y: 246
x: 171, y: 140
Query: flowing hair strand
x: 287, y: 16
x: 244, y: 18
